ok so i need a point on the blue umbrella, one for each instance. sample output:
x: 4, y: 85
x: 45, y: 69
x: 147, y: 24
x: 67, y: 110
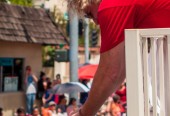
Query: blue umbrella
x: 70, y: 87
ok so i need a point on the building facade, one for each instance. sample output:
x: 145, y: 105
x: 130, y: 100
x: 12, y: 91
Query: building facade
x: 14, y: 57
x: 23, y: 33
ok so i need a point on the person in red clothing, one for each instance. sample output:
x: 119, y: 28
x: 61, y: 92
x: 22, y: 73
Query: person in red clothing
x: 113, y: 17
x: 122, y: 93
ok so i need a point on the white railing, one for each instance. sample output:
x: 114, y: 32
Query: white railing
x: 147, y: 72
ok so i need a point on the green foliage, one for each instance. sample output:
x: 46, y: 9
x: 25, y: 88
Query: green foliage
x: 58, y: 16
x: 48, y: 56
x: 81, y: 40
x: 92, y: 26
x: 22, y: 2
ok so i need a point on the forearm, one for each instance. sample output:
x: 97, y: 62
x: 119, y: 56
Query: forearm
x: 43, y: 99
x: 108, y: 78
x: 108, y: 108
x: 51, y: 95
x: 35, y: 78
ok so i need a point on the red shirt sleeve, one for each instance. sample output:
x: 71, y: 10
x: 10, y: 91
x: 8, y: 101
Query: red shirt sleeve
x: 112, y: 23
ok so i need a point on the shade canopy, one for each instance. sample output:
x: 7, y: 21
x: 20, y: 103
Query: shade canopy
x: 87, y: 71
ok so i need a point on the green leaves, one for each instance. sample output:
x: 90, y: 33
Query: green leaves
x: 22, y: 2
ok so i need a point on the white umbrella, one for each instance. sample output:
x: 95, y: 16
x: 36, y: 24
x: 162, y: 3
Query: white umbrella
x: 70, y: 87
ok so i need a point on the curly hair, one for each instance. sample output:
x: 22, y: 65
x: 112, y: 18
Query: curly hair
x: 78, y: 5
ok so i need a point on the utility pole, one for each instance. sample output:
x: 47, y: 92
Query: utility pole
x: 86, y: 33
x: 73, y: 18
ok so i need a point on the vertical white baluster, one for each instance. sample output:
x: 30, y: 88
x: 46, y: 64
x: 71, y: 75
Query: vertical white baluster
x: 154, y: 77
x: 161, y: 76
x: 146, y: 77
x: 167, y: 74
x: 134, y: 76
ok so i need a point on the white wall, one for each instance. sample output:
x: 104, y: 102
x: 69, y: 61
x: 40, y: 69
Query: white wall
x: 32, y: 55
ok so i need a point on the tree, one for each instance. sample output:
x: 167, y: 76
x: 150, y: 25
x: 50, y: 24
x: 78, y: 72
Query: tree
x: 21, y: 2
x: 48, y: 56
x: 59, y: 18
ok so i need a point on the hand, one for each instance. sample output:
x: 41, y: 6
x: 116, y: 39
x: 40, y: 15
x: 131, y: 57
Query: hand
x: 75, y: 113
x: 44, y: 101
x: 110, y: 99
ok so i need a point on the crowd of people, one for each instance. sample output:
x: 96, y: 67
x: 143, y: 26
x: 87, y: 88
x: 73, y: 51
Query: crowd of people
x: 50, y: 104
x: 115, y: 105
x: 40, y: 101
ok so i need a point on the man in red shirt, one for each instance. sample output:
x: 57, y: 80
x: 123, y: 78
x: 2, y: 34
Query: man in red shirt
x: 114, y: 16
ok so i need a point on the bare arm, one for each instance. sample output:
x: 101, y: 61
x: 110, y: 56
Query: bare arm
x: 43, y: 99
x: 51, y: 95
x: 35, y: 78
x: 46, y: 99
x: 108, y: 108
x: 108, y: 78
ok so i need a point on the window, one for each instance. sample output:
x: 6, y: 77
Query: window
x: 11, y: 74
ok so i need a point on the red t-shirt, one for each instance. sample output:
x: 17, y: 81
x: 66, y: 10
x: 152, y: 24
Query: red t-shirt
x: 122, y: 94
x: 116, y: 15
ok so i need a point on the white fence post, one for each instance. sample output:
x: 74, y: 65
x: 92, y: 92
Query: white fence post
x: 167, y: 74
x: 161, y: 76
x: 146, y: 76
x: 137, y: 71
x: 154, y: 76
x: 135, y: 97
